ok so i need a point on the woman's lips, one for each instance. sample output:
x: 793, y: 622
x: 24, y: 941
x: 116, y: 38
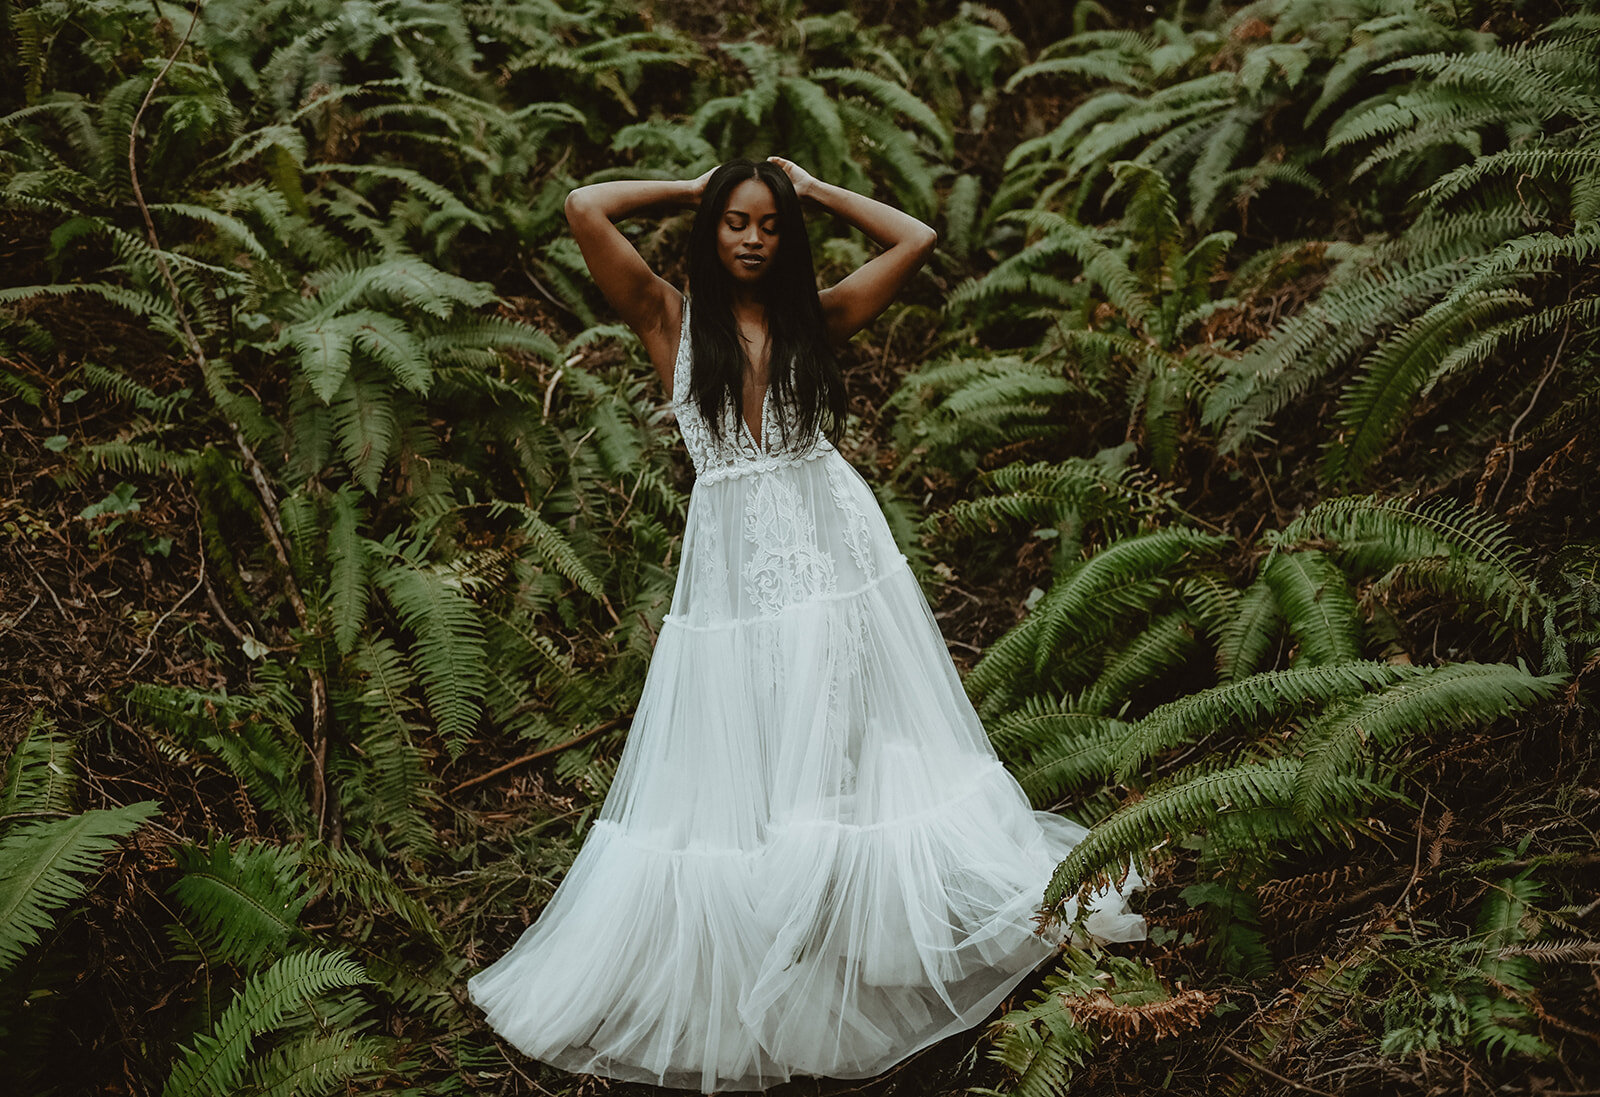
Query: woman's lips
x: 752, y: 261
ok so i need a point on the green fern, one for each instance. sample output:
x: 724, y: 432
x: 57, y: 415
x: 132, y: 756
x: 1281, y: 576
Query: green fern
x: 1250, y: 633
x: 389, y: 787
x: 349, y: 573
x: 1247, y: 703
x: 243, y: 901
x: 1161, y: 647
x: 43, y: 865
x: 1317, y: 603
x: 349, y: 875
x: 1179, y: 808
x: 554, y: 548
x: 1379, y: 401
x: 1425, y: 703
x: 448, y: 650
x: 1054, y: 750
x: 1457, y: 551
x: 215, y: 1064
x: 1123, y: 578
x: 314, y: 1066
x: 39, y: 774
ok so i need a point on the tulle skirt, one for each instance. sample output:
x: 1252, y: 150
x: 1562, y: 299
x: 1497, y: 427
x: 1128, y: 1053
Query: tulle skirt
x: 810, y: 860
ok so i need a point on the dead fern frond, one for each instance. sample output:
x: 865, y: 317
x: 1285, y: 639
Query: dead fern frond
x: 1124, y: 1024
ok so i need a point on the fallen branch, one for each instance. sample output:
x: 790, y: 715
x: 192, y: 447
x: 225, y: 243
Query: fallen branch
x: 609, y: 725
x: 1299, y: 1087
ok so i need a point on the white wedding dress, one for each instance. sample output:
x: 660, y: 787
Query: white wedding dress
x: 810, y: 860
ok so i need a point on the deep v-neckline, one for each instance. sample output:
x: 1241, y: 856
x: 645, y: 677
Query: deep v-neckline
x: 758, y: 436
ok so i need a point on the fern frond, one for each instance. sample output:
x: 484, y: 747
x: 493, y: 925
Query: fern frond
x: 42, y: 865
x: 1246, y: 703
x: 39, y: 774
x: 314, y: 1066
x: 414, y: 182
x: 1562, y: 165
x: 392, y: 787
x: 348, y: 874
x: 1425, y: 703
x: 349, y: 569
x: 357, y: 279
x: 1054, y: 750
x: 1101, y: 265
x: 1318, y: 605
x: 1389, y: 537
x: 244, y: 900
x: 888, y: 95
x: 1158, y: 648
x: 1375, y: 406
x: 1182, y: 807
x: 215, y: 1064
x: 553, y: 547
x: 364, y: 414
x: 448, y: 650
x: 1120, y: 581
x: 1323, y: 336
x: 1004, y: 661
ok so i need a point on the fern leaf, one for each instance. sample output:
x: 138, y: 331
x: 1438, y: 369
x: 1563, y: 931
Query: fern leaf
x: 39, y: 774
x: 887, y: 94
x: 448, y: 651
x: 1246, y: 703
x: 387, y: 340
x: 1182, y: 807
x: 324, y: 348
x: 1053, y: 752
x: 1317, y: 605
x: 314, y: 1066
x: 1434, y: 700
x: 1375, y: 406
x: 349, y: 570
x: 42, y: 865
x: 368, y: 429
x: 1115, y: 583
x: 554, y: 548
x: 1391, y: 537
x: 1162, y: 646
x: 215, y: 1064
x: 245, y: 900
x: 348, y: 874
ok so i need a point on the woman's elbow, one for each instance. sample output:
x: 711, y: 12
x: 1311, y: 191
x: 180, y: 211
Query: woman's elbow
x: 926, y: 241
x: 580, y: 204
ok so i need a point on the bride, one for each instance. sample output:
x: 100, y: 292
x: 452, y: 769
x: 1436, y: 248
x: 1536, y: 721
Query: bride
x: 810, y: 860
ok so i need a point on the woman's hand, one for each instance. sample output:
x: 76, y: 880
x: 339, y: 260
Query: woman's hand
x: 697, y: 187
x: 804, y: 182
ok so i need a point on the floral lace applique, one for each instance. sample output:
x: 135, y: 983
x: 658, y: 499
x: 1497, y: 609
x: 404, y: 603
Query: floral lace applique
x: 786, y: 566
x: 855, y: 527
x: 710, y: 581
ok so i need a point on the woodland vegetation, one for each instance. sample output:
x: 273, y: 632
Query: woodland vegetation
x: 1243, y: 430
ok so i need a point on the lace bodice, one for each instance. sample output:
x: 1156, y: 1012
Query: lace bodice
x: 736, y: 453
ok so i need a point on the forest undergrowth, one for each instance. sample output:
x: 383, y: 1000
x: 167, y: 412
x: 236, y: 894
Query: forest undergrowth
x: 1242, y: 431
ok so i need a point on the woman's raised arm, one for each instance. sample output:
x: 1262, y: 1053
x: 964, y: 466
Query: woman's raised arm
x: 858, y: 299
x: 647, y: 303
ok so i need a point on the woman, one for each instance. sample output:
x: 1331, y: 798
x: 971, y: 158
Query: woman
x: 810, y: 860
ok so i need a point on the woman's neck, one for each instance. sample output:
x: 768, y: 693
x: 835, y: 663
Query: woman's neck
x: 747, y: 304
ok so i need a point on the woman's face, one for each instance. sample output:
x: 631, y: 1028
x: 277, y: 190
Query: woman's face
x: 747, y: 235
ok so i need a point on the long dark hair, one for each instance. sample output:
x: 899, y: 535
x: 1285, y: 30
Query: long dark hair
x: 802, y: 373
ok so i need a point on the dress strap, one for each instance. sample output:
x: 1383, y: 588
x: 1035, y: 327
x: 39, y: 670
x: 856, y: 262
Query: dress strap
x: 680, y: 365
